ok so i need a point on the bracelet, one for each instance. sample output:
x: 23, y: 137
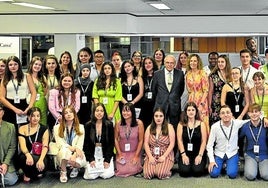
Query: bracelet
x: 26, y: 153
x: 200, y: 155
x: 182, y: 152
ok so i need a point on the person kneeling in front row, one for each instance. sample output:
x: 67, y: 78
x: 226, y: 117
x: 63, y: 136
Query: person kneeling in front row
x: 256, y: 154
x: 99, y: 145
x: 222, y: 144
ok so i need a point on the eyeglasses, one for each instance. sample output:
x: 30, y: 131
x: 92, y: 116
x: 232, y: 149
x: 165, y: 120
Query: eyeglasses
x: 136, y: 56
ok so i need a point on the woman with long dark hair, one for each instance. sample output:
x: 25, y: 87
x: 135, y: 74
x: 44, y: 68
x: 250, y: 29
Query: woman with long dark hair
x: 192, y: 139
x: 99, y: 145
x: 14, y: 90
x: 159, y: 141
x: 107, y: 90
x: 128, y: 142
x: 33, y: 142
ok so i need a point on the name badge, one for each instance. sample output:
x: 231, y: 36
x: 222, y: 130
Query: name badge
x: 127, y: 147
x: 150, y: 95
x: 84, y: 99
x: 105, y: 100
x: 129, y: 97
x: 37, y: 97
x: 236, y: 108
x: 156, y: 150
x: 16, y: 99
x: 189, y: 147
x: 256, y: 148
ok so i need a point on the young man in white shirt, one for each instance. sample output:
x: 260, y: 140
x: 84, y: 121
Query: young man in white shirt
x: 222, y: 144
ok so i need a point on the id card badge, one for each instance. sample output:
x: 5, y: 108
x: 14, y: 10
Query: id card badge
x: 150, y: 95
x: 157, y: 150
x: 37, y: 97
x: 256, y: 148
x: 84, y: 99
x: 262, y: 114
x: 237, y: 108
x: 16, y: 99
x: 129, y: 97
x: 105, y: 100
x: 127, y: 147
x: 189, y: 147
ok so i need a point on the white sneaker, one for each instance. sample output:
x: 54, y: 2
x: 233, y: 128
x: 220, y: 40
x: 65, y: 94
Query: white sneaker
x: 74, y: 173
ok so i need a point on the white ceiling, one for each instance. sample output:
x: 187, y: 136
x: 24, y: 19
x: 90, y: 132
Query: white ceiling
x: 142, y: 8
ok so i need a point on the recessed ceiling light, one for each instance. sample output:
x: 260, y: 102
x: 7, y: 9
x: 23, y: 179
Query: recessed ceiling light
x: 33, y: 6
x: 160, y: 6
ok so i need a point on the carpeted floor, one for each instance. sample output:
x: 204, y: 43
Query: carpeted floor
x: 51, y: 180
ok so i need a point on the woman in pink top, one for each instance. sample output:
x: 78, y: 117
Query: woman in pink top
x: 65, y: 94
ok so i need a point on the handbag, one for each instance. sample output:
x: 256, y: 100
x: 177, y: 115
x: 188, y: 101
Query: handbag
x: 37, y: 148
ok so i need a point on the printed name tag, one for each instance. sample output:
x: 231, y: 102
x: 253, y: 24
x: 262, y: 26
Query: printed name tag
x: 236, y: 108
x: 150, y: 95
x: 129, y: 97
x: 256, y: 148
x: 189, y: 147
x: 16, y: 99
x: 156, y: 150
x: 127, y: 147
x: 84, y: 99
x: 105, y: 100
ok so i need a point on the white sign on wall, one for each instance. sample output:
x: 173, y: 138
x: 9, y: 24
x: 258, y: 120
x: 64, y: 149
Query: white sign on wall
x: 9, y: 46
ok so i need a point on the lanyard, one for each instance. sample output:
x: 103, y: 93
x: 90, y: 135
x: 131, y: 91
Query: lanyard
x: 83, y: 90
x: 235, y: 94
x: 262, y: 98
x: 247, y: 75
x: 227, y: 138
x: 190, y: 136
x: 258, y: 135
x: 127, y: 133
x: 98, y: 137
x: 149, y: 83
x: 16, y: 87
x: 35, y: 135
x: 52, y: 83
x: 129, y: 86
x: 69, y: 136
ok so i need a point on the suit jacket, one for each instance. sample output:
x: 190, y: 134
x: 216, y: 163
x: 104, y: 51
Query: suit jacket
x: 165, y: 99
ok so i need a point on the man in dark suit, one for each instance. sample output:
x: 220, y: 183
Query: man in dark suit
x: 168, y: 86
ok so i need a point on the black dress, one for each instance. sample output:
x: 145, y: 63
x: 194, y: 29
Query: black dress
x: 147, y: 103
x: 192, y: 169
x: 231, y: 101
x: 84, y: 113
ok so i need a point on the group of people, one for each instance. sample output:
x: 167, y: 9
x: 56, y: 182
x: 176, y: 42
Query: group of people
x: 140, y: 113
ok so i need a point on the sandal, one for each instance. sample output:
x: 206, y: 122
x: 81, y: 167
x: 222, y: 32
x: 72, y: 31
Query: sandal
x: 74, y: 173
x: 63, y: 176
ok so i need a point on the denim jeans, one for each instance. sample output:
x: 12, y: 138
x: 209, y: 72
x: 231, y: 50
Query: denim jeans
x: 231, y: 166
x: 10, y: 178
x: 252, y: 166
